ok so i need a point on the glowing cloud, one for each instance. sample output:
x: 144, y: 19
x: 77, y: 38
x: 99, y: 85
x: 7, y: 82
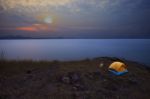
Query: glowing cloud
x: 69, y: 17
x: 34, y: 28
x: 33, y: 3
x: 30, y: 29
x: 71, y: 5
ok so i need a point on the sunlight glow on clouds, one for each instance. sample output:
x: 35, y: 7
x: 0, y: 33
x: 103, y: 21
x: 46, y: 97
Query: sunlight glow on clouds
x: 31, y: 3
x: 65, y: 6
x: 96, y: 17
x: 34, y: 28
x: 72, y: 5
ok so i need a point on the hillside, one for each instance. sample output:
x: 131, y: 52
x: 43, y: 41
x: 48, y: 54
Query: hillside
x: 83, y: 79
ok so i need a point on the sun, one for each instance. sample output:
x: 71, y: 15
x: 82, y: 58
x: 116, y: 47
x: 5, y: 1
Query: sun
x: 46, y: 22
x: 45, y: 18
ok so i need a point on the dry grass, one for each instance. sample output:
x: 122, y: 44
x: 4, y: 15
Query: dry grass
x: 41, y: 80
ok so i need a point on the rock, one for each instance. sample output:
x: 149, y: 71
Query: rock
x: 4, y: 97
x: 147, y: 68
x: 78, y: 95
x: 28, y: 72
x: 65, y: 79
x: 133, y: 81
x: 74, y: 77
x: 111, y: 87
x: 79, y: 87
x: 95, y: 75
x: 89, y: 75
x: 71, y: 78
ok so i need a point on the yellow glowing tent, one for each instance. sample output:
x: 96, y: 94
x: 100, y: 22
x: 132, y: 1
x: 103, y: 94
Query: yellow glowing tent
x: 118, y: 67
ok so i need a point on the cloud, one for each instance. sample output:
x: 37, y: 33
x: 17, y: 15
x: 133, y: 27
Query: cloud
x: 27, y: 3
x: 121, y: 16
x: 34, y: 28
x: 9, y: 4
x: 30, y: 29
x: 74, y: 6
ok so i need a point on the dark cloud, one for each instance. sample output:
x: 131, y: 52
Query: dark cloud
x: 83, y: 17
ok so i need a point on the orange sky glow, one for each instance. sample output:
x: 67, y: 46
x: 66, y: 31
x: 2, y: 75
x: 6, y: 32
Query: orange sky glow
x: 34, y: 28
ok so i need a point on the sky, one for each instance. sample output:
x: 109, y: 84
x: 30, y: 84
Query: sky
x: 75, y: 18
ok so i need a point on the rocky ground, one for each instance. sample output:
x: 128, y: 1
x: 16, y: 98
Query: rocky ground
x: 72, y: 80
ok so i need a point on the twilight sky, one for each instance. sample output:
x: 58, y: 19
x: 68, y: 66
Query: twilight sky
x: 75, y: 18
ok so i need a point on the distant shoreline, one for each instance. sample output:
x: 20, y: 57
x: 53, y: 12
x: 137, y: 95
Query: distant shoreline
x: 64, y: 38
x: 77, y: 37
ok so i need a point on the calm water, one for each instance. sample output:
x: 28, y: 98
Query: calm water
x: 75, y: 49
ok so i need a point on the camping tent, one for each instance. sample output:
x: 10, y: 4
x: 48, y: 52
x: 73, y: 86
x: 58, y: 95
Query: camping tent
x: 118, y: 68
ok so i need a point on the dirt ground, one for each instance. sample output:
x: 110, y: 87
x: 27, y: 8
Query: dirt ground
x: 83, y: 79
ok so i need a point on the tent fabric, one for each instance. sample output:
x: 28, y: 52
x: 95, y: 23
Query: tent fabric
x: 118, y: 67
x: 118, y: 73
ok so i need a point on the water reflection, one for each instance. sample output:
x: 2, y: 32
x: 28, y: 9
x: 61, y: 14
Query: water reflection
x: 75, y: 49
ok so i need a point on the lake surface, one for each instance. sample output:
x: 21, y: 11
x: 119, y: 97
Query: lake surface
x: 76, y: 49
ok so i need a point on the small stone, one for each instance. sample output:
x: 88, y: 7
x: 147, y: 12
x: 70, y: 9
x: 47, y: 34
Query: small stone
x: 133, y: 81
x: 28, y: 72
x: 101, y: 65
x: 65, y: 79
